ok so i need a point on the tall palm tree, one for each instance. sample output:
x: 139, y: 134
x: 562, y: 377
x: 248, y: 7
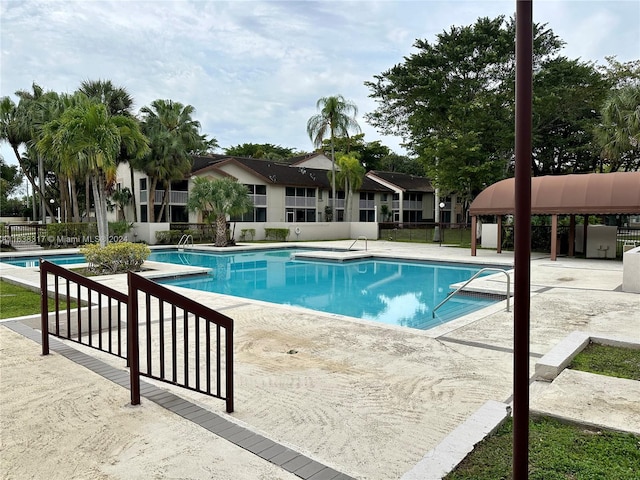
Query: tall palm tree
x: 173, y: 136
x: 350, y: 177
x: 118, y: 102
x: 336, y: 119
x: 17, y: 127
x: 216, y: 199
x: 88, y: 135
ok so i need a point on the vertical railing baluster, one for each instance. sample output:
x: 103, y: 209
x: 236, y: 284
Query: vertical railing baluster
x: 68, y: 309
x: 57, y: 304
x: 119, y: 328
x: 161, y: 327
x: 133, y: 353
x: 99, y: 320
x: 147, y: 304
x: 208, y: 355
x: 197, y: 352
x: 110, y: 337
x: 218, y: 366
x: 79, y: 313
x: 90, y: 316
x: 185, y: 327
x: 174, y: 353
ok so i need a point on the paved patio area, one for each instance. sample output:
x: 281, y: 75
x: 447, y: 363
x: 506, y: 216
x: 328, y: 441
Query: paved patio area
x: 362, y: 399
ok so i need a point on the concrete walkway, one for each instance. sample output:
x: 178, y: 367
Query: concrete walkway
x: 360, y: 399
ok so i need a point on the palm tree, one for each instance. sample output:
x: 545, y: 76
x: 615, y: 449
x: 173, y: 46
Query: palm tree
x: 619, y: 132
x: 349, y: 177
x: 17, y: 127
x: 336, y: 118
x: 119, y: 102
x: 216, y: 199
x: 173, y: 136
x: 88, y: 135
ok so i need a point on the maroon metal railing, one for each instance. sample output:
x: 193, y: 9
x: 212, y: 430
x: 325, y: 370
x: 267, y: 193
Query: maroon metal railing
x: 98, y: 318
x: 178, y: 347
x: 180, y: 341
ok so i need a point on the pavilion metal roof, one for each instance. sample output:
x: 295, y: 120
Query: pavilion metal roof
x: 590, y: 193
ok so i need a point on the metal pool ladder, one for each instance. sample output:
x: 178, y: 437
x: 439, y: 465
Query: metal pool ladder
x: 361, y: 237
x: 184, y: 241
x: 487, y: 269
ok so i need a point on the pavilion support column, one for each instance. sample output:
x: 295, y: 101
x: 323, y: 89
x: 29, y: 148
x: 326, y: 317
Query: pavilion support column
x: 554, y: 237
x: 572, y: 235
x: 474, y: 237
x: 499, y: 239
x: 584, y: 235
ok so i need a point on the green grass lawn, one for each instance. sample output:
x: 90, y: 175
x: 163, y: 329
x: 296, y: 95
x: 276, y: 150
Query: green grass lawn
x: 607, y: 360
x: 18, y: 301
x: 557, y: 451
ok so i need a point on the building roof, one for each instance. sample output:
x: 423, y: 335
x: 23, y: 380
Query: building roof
x: 592, y: 193
x: 404, y: 181
x: 278, y: 173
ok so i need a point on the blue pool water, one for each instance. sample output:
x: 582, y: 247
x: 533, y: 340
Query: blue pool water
x: 387, y: 291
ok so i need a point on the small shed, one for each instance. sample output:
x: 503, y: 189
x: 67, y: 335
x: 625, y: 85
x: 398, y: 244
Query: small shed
x: 582, y: 194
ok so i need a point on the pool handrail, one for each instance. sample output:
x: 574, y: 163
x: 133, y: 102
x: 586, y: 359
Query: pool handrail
x: 476, y: 275
x: 184, y: 241
x: 361, y: 237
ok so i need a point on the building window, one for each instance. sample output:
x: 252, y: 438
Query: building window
x: 300, y: 204
x: 143, y: 183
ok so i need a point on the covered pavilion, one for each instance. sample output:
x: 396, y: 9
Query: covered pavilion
x: 578, y: 194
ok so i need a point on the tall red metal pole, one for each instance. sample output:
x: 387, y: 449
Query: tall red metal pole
x: 522, y: 258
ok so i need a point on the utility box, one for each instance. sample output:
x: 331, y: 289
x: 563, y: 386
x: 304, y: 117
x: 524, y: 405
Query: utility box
x: 601, y: 241
x: 489, y: 235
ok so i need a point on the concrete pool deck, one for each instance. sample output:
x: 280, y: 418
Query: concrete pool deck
x: 364, y: 399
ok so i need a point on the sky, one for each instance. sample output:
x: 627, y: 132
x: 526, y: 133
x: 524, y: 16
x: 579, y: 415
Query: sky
x: 254, y: 70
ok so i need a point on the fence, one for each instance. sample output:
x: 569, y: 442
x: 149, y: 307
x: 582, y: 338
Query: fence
x: 425, y: 232
x: 195, y: 353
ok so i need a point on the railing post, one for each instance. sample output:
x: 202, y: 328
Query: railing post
x: 228, y: 340
x: 133, y: 353
x: 44, y: 308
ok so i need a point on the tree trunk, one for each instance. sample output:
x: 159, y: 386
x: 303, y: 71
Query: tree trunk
x: 133, y: 194
x: 74, y: 200
x: 151, y: 204
x: 65, y: 201
x: 32, y: 181
x: 221, y: 230
x: 87, y: 200
x: 165, y: 202
x: 100, y: 201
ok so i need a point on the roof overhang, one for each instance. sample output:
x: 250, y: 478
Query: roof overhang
x: 586, y: 194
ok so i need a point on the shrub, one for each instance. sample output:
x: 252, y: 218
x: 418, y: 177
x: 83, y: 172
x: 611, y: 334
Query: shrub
x: 279, y: 234
x: 115, y: 257
x: 168, y: 236
x: 247, y: 234
x: 71, y: 232
x: 119, y: 228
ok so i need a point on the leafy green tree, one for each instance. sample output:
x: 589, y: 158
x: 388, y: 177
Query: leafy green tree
x: 336, y: 119
x: 568, y: 95
x: 267, y: 151
x: 10, y: 180
x: 122, y: 198
x: 619, y: 132
x: 88, y: 135
x: 216, y: 199
x: 349, y: 177
x: 452, y: 102
x: 173, y: 137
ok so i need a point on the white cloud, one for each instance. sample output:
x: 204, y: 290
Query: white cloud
x: 254, y: 69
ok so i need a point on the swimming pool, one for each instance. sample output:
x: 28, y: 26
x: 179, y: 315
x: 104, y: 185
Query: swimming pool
x: 387, y: 291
